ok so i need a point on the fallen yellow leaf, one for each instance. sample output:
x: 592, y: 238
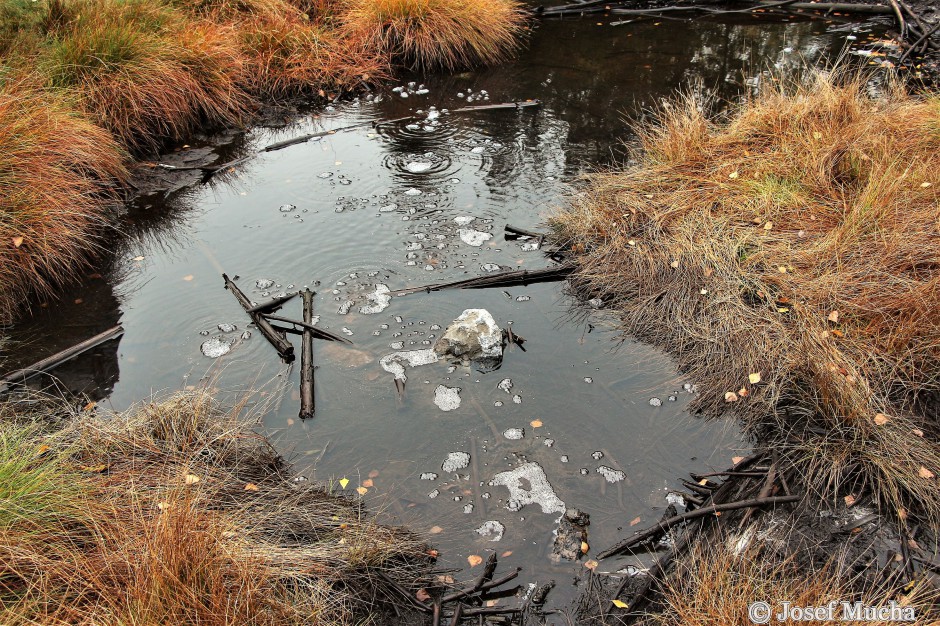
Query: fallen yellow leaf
x: 585, y: 547
x: 591, y: 565
x: 192, y: 479
x: 474, y: 560
x: 674, y: 264
x: 17, y: 242
x: 881, y: 419
x: 620, y: 604
x: 42, y: 449
x: 163, y: 506
x: 768, y: 226
x: 536, y: 423
x: 817, y: 135
x: 754, y: 378
x: 733, y: 175
x: 343, y: 482
x: 251, y: 487
x: 731, y: 397
x: 833, y: 317
x: 362, y: 491
x: 736, y: 459
x: 923, y: 472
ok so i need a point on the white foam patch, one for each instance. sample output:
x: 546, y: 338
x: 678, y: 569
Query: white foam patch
x: 473, y: 237
x: 380, y: 299
x: 395, y: 362
x: 455, y: 461
x: 610, y: 474
x: 447, y: 398
x: 538, y: 491
x: 513, y: 433
x: 463, y: 220
x: 492, y: 530
x: 216, y: 347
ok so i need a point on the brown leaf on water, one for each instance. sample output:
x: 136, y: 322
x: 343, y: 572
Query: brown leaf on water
x: 374, y: 474
x: 188, y: 277
x: 436, y: 530
x: 585, y: 547
x: 635, y: 521
x: 536, y: 423
x: 506, y: 553
x: 591, y: 565
x: 362, y: 491
x: 736, y: 459
x: 474, y: 560
x: 367, y: 482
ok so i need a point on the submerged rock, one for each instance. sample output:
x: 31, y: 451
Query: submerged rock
x: 474, y: 336
x: 572, y: 531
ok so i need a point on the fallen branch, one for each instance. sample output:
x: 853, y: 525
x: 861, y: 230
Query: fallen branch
x: 318, y: 332
x: 272, y: 304
x: 276, y: 339
x: 60, y: 357
x: 307, y: 405
x: 501, y: 279
x: 523, y: 104
x: 665, y: 525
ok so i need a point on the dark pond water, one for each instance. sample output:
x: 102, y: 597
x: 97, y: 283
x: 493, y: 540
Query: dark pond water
x: 386, y: 206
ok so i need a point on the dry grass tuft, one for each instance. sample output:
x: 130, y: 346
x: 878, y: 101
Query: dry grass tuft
x: 142, y: 71
x: 800, y: 241
x: 436, y: 33
x: 176, y: 512
x: 714, y: 587
x: 54, y: 167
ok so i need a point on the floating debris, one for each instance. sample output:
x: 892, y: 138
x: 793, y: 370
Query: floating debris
x: 395, y: 363
x: 656, y: 402
x: 264, y: 283
x: 379, y: 298
x: 610, y: 474
x: 216, y: 347
x: 523, y: 298
x: 345, y: 307
x: 228, y: 328
x: 411, y: 191
x: 528, y: 484
x: 434, y: 494
x: 498, y: 403
x: 287, y: 208
x: 468, y: 509
x: 447, y: 398
x: 463, y: 220
x: 418, y: 167
x: 429, y: 476
x: 246, y: 334
x: 548, y: 443
x: 588, y: 380
x: 675, y: 499
x: 473, y: 237
x: 505, y: 384
x: 491, y: 267
x: 597, y: 456
x: 517, y: 399
x: 491, y: 530
x: 514, y: 433
x: 455, y: 461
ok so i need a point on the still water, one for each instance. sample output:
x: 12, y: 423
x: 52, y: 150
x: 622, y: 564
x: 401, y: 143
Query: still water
x: 416, y: 202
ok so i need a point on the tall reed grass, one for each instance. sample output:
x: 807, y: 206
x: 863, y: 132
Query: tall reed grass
x: 788, y: 258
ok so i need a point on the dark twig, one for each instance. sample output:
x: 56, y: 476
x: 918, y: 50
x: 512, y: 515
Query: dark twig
x: 319, y: 333
x: 665, y: 525
x: 280, y: 343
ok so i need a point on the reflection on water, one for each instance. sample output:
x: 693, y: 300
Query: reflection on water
x: 486, y: 460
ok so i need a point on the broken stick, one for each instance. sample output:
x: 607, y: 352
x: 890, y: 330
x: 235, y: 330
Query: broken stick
x: 276, y: 339
x: 318, y: 333
x: 307, y: 406
x: 60, y: 357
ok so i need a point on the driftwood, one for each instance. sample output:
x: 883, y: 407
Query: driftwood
x: 307, y: 405
x: 276, y: 339
x: 521, y: 232
x: 317, y: 332
x: 522, y: 104
x: 502, y: 279
x: 593, y: 6
x: 60, y: 357
x: 272, y: 304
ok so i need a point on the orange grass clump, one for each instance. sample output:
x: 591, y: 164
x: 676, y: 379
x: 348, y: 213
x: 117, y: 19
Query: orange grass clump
x: 55, y: 166
x: 788, y: 258
x: 142, y: 71
x: 176, y: 512
x: 436, y: 33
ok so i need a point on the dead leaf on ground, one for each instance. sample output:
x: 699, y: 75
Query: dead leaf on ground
x: 192, y: 479
x: 17, y: 242
x: 620, y: 604
x: 923, y: 472
x: 881, y: 419
x: 833, y: 317
x: 731, y: 397
x: 849, y: 500
x: 422, y: 595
